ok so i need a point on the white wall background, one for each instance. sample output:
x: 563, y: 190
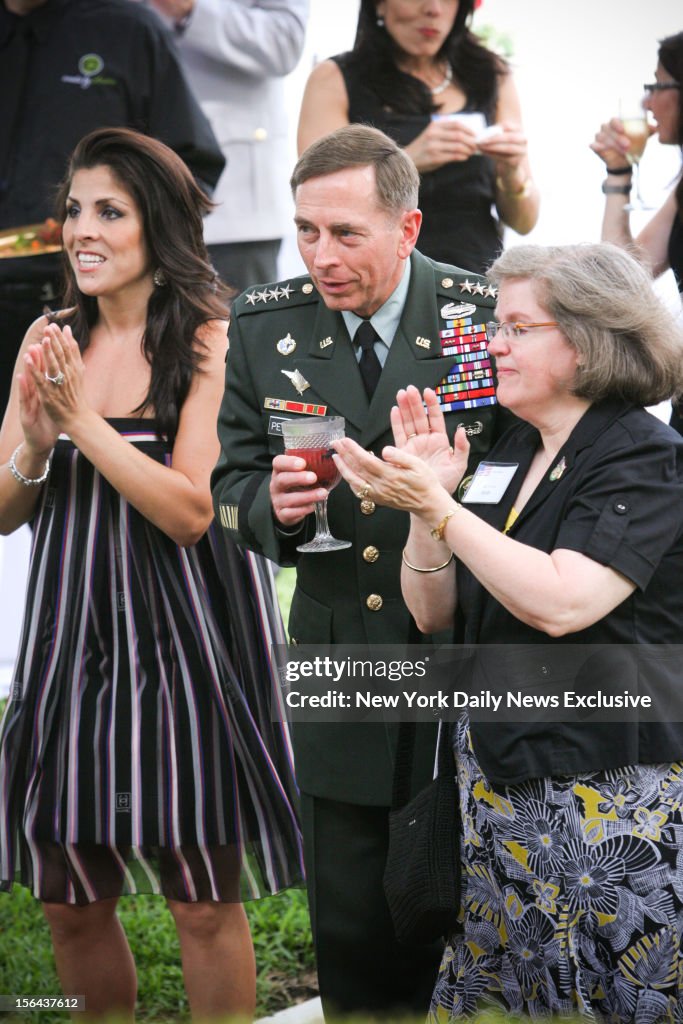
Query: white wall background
x: 573, y: 59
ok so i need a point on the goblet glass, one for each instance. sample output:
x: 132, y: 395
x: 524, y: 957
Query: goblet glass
x: 634, y: 120
x: 311, y: 439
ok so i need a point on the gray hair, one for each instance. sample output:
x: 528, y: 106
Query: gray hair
x: 629, y: 344
x: 358, y: 145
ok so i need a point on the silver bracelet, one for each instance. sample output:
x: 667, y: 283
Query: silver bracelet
x: 27, y: 481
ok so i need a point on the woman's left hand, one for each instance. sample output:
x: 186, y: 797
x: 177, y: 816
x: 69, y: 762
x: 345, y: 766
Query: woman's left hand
x: 61, y: 386
x: 510, y: 151
x: 398, y: 480
x: 414, y: 475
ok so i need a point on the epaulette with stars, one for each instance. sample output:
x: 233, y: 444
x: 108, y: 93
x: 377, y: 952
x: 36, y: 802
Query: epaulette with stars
x: 297, y: 291
x: 461, y: 287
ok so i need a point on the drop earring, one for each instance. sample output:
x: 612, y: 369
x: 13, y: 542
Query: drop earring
x: 380, y: 21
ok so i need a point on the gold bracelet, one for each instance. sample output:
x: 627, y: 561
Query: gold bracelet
x: 416, y: 568
x: 437, y: 532
x: 522, y: 192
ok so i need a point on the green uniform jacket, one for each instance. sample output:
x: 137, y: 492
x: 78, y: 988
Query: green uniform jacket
x: 350, y: 596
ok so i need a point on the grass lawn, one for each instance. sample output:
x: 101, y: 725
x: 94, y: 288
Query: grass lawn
x: 279, y: 925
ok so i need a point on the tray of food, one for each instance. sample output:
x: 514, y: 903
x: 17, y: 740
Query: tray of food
x: 31, y: 239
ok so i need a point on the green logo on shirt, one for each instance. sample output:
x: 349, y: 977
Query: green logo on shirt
x: 90, y: 65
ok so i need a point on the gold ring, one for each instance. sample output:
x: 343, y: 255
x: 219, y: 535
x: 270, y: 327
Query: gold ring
x: 363, y: 492
x: 450, y: 450
x: 408, y: 436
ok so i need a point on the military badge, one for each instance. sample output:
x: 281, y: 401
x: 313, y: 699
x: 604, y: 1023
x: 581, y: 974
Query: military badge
x: 286, y: 345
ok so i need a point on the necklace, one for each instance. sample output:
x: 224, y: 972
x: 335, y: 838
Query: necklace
x: 443, y: 85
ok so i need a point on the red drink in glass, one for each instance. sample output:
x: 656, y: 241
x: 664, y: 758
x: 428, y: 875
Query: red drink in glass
x: 320, y: 462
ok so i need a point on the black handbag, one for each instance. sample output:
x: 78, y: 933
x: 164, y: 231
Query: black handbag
x: 422, y: 872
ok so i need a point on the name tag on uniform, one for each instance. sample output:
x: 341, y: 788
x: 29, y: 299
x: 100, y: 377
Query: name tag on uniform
x: 490, y: 482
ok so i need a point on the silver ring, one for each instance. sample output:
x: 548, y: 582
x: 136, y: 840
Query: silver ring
x: 58, y: 379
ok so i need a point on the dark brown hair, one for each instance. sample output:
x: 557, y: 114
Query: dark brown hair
x: 670, y: 55
x: 171, y: 206
x: 476, y: 69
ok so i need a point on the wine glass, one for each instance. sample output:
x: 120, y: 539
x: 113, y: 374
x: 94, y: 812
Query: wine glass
x: 311, y: 439
x: 634, y: 120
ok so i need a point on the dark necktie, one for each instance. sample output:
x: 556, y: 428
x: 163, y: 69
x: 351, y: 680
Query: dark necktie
x: 369, y: 364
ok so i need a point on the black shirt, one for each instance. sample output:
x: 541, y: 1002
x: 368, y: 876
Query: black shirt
x: 614, y: 494
x: 89, y: 64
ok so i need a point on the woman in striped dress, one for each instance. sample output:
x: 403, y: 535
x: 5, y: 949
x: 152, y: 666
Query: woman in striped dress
x: 137, y: 751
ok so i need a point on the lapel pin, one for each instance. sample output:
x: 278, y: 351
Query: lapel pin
x: 286, y: 345
x: 298, y: 380
x: 307, y: 288
x: 326, y: 342
x: 423, y: 342
x: 447, y: 282
x: 558, y: 470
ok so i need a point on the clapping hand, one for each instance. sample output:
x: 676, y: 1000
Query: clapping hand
x: 40, y: 431
x: 413, y: 474
x: 56, y: 371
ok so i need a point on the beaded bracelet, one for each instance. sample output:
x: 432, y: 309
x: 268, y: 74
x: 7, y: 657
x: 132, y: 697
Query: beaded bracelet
x: 416, y: 568
x: 27, y: 481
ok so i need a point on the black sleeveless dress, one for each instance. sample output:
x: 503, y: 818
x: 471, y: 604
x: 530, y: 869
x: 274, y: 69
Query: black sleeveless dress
x: 456, y: 200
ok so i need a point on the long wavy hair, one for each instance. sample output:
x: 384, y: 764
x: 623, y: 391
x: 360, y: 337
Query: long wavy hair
x: 476, y: 69
x: 670, y: 56
x: 171, y: 206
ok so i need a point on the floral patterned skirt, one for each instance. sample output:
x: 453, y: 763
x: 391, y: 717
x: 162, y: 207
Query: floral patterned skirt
x: 572, y: 895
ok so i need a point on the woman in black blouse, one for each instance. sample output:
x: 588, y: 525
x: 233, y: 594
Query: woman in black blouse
x: 419, y: 74
x: 571, y: 830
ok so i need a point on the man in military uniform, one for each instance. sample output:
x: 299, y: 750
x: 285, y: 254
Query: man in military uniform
x: 292, y: 354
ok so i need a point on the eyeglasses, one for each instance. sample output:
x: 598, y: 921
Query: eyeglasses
x: 512, y: 330
x: 661, y: 86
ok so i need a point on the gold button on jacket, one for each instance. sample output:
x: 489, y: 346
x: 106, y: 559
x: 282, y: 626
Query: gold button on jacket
x: 370, y: 553
x: 374, y: 602
x: 367, y: 507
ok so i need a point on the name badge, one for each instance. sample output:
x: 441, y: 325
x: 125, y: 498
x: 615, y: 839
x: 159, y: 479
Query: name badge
x: 490, y: 482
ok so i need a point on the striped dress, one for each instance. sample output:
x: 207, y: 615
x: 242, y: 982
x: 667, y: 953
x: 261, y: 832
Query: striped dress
x: 142, y: 749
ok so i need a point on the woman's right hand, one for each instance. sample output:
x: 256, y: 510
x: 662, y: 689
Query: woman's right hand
x: 40, y: 431
x: 442, y: 142
x: 612, y: 144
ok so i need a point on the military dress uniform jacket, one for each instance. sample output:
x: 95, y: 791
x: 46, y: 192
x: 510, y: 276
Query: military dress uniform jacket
x: 350, y: 596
